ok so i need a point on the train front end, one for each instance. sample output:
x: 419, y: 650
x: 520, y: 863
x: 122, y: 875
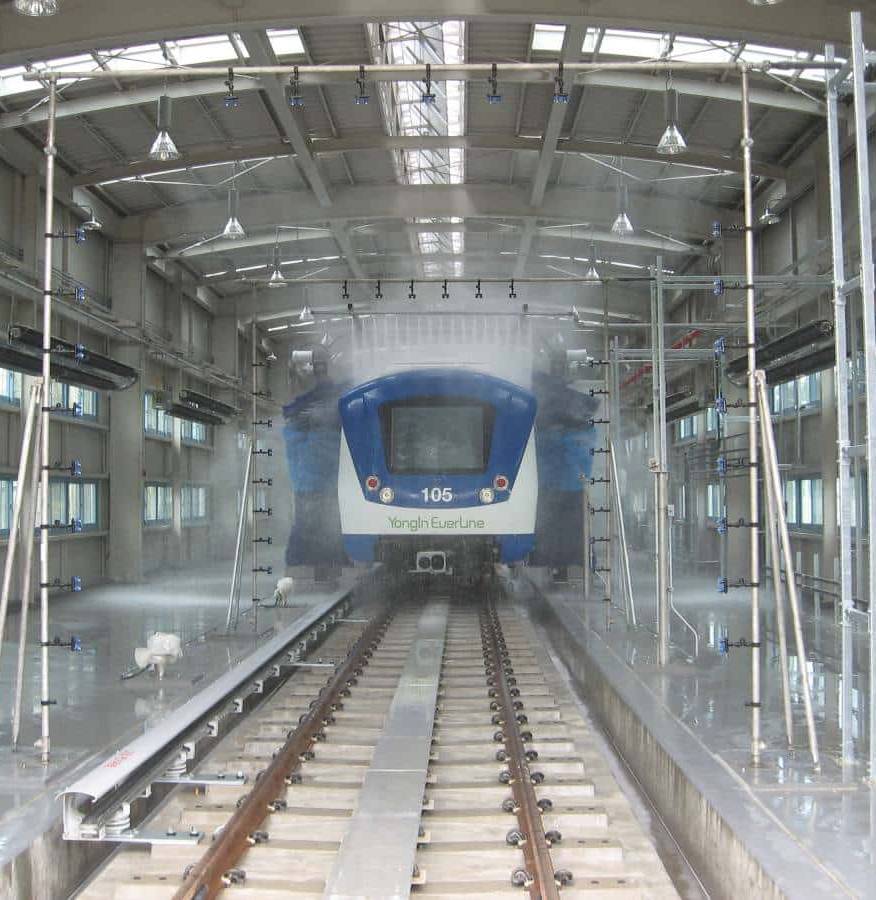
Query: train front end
x: 437, y: 472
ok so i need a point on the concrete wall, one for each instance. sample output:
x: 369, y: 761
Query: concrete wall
x: 114, y: 450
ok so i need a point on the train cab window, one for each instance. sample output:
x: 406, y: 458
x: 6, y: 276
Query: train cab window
x: 426, y: 436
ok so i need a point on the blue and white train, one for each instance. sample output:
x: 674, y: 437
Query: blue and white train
x: 437, y: 471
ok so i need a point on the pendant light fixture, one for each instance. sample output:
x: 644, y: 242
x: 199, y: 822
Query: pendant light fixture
x: 672, y: 141
x: 233, y: 230
x: 36, y: 7
x: 276, y: 280
x: 622, y: 226
x: 591, y: 276
x: 163, y: 148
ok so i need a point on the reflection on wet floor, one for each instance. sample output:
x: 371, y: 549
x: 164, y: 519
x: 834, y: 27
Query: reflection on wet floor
x: 831, y: 812
x: 96, y: 710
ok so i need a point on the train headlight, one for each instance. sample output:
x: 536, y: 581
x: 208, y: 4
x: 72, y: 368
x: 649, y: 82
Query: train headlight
x: 487, y: 495
x: 387, y: 495
x: 500, y: 482
x: 372, y: 482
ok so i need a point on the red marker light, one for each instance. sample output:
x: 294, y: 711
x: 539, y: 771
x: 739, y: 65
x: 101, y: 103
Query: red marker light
x: 500, y: 482
x: 372, y: 482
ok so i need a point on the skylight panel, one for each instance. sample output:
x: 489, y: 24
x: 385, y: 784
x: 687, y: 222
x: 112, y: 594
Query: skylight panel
x: 694, y: 49
x: 591, y: 40
x: 638, y: 44
x: 195, y: 51
x: 12, y: 81
x: 286, y: 41
x: 548, y: 38
x: 142, y: 56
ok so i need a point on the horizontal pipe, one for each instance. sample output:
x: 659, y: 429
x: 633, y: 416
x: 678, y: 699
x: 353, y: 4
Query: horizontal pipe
x: 439, y: 71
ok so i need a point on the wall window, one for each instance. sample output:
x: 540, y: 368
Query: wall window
x: 711, y: 419
x: 66, y: 395
x: 194, y: 502
x: 7, y: 498
x: 155, y: 420
x: 714, y: 507
x: 686, y: 428
x: 803, y: 392
x: 791, y: 502
x: 157, y: 504
x: 10, y: 387
x: 681, y: 502
x: 804, y: 503
x: 73, y: 499
x: 193, y: 432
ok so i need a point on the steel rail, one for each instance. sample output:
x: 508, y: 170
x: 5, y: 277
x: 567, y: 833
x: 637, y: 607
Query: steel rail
x: 541, y: 881
x: 209, y: 875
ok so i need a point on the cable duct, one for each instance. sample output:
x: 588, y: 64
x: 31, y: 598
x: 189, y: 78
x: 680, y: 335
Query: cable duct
x: 71, y: 363
x: 813, y: 333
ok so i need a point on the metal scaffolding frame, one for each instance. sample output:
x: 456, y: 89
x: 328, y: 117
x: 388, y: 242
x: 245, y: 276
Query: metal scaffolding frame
x: 852, y: 74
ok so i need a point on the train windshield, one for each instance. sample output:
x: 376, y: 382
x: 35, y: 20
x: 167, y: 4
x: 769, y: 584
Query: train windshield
x: 432, y: 438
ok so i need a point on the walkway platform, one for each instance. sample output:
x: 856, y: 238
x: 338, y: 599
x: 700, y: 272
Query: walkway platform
x: 97, y: 712
x: 780, y: 829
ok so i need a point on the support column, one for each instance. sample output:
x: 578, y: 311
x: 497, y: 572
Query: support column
x: 841, y: 486
x: 868, y: 301
x: 126, y: 441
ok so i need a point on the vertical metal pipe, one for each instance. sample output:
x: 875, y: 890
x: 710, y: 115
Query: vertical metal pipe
x: 614, y: 512
x: 12, y: 545
x: 841, y: 380
x: 241, y: 532
x: 771, y: 471
x: 656, y: 436
x: 253, y: 473
x: 868, y: 300
x: 622, y: 543
x: 31, y: 522
x: 585, y: 536
x: 776, y: 560
x: 751, y: 338
x: 664, y: 548
x: 49, y: 224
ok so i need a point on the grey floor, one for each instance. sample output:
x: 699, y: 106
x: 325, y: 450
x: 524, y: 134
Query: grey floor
x: 832, y: 813
x: 97, y: 711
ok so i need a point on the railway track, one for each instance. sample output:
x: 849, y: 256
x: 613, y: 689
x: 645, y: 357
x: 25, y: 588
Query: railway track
x: 439, y: 754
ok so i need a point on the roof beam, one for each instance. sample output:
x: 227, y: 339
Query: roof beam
x: 341, y: 235
x: 572, y: 42
x: 363, y: 142
x: 633, y: 81
x: 261, y: 54
x: 525, y: 246
x: 466, y: 201
x: 286, y: 236
x: 565, y: 233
